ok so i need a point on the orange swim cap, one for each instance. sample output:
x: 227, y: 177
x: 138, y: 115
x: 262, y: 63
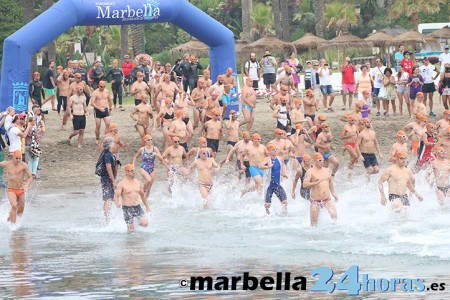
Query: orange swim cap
x: 201, y: 81
x: 129, y: 167
x: 287, y: 69
x: 17, y: 154
x: 246, y: 134
x: 351, y: 118
x: 400, y: 154
x: 167, y: 101
x: 306, y: 157
x: 367, y: 119
x: 324, y: 124
x: 297, y: 102
x: 419, y: 94
x: 256, y: 136
x: 271, y: 147
x: 299, y: 126
x: 322, y: 118
x: 359, y: 104
x: 179, y: 114
x: 203, y: 150
x: 201, y: 140
x: 318, y: 156
x: 113, y: 126
x: 220, y: 77
x: 147, y: 136
x: 430, y: 126
x: 229, y: 71
x: 308, y: 92
x: 192, y: 57
x: 423, y: 118
x: 216, y: 112
x: 400, y: 133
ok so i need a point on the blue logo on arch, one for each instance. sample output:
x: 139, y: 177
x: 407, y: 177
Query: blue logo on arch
x: 20, y: 96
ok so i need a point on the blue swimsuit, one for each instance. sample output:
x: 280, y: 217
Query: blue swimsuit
x: 148, y: 161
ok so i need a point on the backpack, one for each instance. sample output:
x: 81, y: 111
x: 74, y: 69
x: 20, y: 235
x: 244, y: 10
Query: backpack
x: 100, y: 167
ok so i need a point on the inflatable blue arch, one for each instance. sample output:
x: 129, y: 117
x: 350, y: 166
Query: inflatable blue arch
x: 20, y: 46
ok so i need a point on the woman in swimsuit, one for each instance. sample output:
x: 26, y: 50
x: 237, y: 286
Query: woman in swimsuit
x: 166, y: 115
x: 148, y: 153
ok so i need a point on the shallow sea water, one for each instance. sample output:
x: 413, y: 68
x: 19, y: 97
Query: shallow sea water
x: 59, y: 248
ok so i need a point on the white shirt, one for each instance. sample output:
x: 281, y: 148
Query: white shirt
x: 325, y: 78
x: 15, y: 141
x: 444, y: 59
x: 252, y: 68
x: 378, y: 75
x: 427, y: 73
x: 8, y: 121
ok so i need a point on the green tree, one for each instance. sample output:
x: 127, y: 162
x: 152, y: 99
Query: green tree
x: 124, y: 45
x: 11, y: 20
x: 262, y: 19
x: 137, y: 31
x: 412, y: 8
x: 340, y: 16
x: 51, y: 47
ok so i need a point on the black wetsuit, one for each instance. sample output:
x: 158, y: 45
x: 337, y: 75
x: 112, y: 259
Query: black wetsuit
x: 183, y: 69
x: 36, y: 91
x: 96, y: 72
x: 192, y: 71
x: 116, y: 86
x: 305, y: 193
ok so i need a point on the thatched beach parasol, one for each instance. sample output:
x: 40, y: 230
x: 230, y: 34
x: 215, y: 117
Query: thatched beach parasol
x: 267, y: 43
x: 239, y: 45
x: 443, y: 34
x: 413, y: 37
x: 308, y: 41
x: 346, y: 40
x: 380, y: 39
x: 194, y: 47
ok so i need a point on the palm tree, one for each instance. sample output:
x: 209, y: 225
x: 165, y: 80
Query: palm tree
x: 262, y: 19
x: 340, y: 16
x: 276, y: 11
x: 51, y: 47
x: 285, y: 20
x: 123, y: 41
x: 412, y: 8
x: 318, y: 12
x: 136, y: 38
x: 247, y: 7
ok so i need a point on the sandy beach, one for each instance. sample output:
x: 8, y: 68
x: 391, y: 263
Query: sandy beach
x: 66, y: 166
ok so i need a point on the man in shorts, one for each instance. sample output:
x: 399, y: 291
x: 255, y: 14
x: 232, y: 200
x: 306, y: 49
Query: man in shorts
x: 213, y: 130
x: 16, y: 170
x: 50, y: 85
x: 130, y: 189
x: 256, y: 153
x: 77, y: 110
x: 239, y: 148
x: 321, y: 184
x: 377, y: 75
x: 427, y: 71
x: 229, y: 83
x: 101, y: 100
x: 366, y: 147
x: 326, y: 88
x: 348, y: 82
x: 399, y: 179
x: 269, y: 65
